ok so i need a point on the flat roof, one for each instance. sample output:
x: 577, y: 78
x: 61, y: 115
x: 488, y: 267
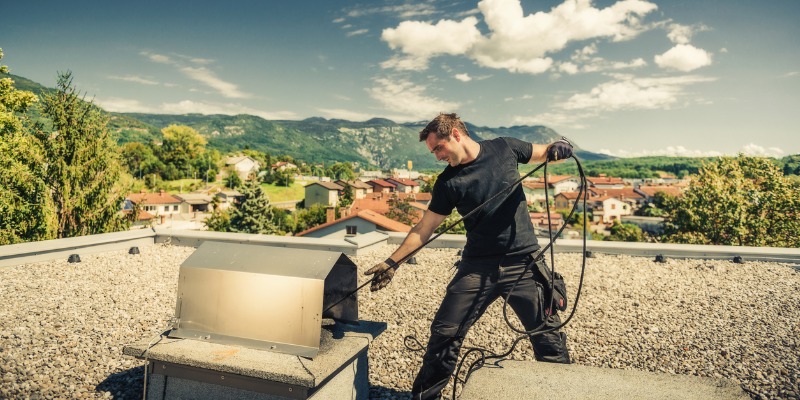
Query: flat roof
x: 68, y: 322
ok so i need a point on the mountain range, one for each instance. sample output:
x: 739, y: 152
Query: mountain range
x: 377, y: 142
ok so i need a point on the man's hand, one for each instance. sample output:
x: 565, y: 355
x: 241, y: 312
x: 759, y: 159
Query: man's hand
x: 561, y: 149
x: 383, y: 271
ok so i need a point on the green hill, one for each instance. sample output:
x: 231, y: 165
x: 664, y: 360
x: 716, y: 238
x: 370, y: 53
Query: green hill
x: 377, y: 142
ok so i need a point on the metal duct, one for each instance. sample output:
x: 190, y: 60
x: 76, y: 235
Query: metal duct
x: 262, y: 297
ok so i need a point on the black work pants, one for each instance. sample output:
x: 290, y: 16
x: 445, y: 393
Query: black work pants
x: 478, y: 283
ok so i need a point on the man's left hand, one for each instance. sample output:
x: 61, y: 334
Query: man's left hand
x: 561, y: 149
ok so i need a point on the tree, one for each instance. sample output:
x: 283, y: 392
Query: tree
x: 341, y: 170
x: 181, y: 147
x: 140, y: 159
x: 401, y: 210
x: 82, y: 164
x: 283, y: 177
x: 253, y: 214
x: 452, y: 218
x: 741, y: 201
x: 348, y: 194
x: 233, y: 180
x: 26, y: 213
x: 626, y: 233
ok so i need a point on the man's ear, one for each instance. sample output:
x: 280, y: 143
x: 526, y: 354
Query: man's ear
x: 455, y: 134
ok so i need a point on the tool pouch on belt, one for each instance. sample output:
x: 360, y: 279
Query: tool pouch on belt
x: 559, y: 292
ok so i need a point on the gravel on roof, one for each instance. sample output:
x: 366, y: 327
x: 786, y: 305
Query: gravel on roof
x: 63, y: 326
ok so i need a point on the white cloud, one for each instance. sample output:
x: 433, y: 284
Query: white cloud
x: 752, y: 149
x: 403, y: 11
x: 207, y: 77
x: 570, y: 120
x: 568, y: 68
x: 463, y: 77
x: 357, y: 32
x: 628, y: 93
x: 189, y: 107
x: 516, y: 42
x: 682, y: 34
x: 134, y: 78
x: 672, y: 151
x: 340, y: 113
x: 681, y: 151
x: 159, y: 58
x: 684, y: 57
x: 407, y: 99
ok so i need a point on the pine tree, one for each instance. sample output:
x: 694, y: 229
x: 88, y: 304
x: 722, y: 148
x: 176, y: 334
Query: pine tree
x: 82, y: 164
x: 25, y: 211
x: 253, y: 214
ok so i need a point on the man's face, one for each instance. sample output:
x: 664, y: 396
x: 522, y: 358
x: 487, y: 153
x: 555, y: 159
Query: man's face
x: 444, y: 149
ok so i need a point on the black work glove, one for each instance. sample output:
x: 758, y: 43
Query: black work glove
x: 383, y: 271
x: 561, y: 149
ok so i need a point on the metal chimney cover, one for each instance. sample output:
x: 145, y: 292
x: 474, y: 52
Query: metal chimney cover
x: 262, y: 297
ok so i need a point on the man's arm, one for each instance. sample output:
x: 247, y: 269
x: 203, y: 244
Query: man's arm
x: 557, y: 151
x: 418, y: 235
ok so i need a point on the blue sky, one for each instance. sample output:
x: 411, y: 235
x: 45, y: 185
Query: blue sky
x: 629, y: 78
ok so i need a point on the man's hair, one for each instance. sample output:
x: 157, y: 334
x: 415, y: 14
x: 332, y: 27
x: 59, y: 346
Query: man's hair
x: 442, y: 125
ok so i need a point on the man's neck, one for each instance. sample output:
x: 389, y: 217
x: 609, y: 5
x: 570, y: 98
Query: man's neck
x: 472, y: 149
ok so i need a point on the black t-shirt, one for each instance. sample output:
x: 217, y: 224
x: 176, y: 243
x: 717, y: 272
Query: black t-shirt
x: 502, y: 227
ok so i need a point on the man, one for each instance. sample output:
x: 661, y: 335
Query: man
x: 500, y: 243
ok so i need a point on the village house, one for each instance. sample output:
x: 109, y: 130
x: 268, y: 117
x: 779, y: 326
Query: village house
x: 325, y: 193
x: 227, y: 198
x: 243, y: 165
x: 649, y: 192
x: 541, y: 225
x: 153, y: 207
x: 381, y: 186
x: 360, y: 189
x: 282, y: 166
x: 404, y: 185
x: 609, y: 209
x: 362, y: 222
x: 534, y: 189
x: 605, y: 182
x: 194, y: 202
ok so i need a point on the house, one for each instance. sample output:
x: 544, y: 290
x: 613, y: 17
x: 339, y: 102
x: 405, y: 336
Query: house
x: 282, y: 166
x: 227, y: 198
x: 194, y: 202
x: 360, y: 189
x: 243, y: 165
x: 535, y: 189
x: 649, y: 192
x: 609, y: 209
x: 566, y: 200
x: 540, y: 222
x: 627, y: 194
x: 362, y: 222
x: 368, y: 175
x: 381, y: 186
x: 404, y: 185
x: 381, y: 203
x: 605, y: 182
x: 325, y: 193
x: 405, y: 173
x: 152, y: 206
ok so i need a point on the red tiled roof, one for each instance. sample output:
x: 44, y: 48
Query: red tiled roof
x: 403, y: 181
x: 604, y: 180
x: 652, y: 190
x: 368, y: 215
x: 153, y: 198
x: 381, y: 182
x: 327, y: 185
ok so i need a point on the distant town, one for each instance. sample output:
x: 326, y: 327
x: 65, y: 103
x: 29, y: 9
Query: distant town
x: 374, y: 194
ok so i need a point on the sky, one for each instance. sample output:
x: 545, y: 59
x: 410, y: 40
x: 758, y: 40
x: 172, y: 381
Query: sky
x: 627, y: 78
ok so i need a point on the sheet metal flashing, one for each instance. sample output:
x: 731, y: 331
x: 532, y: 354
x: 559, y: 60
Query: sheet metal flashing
x: 262, y: 297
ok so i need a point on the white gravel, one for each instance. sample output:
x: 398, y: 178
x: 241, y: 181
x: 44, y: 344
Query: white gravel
x: 62, y: 325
